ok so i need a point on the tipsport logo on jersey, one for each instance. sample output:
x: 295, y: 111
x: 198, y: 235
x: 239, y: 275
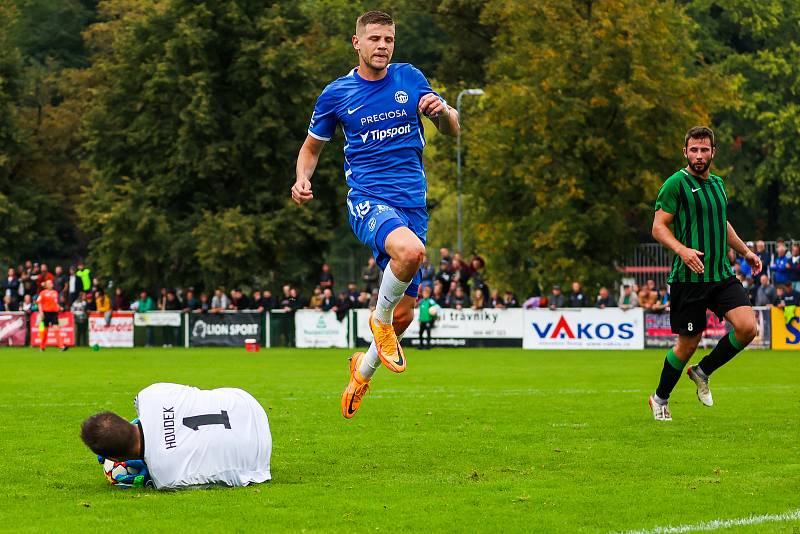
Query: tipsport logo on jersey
x: 388, y: 133
x: 584, y: 328
x: 381, y: 134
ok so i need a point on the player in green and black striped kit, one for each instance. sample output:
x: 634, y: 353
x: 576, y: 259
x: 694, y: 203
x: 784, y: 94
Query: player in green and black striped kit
x: 694, y: 202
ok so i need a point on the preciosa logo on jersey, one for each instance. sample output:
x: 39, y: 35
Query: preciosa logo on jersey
x: 382, y: 116
x: 401, y: 97
x: 388, y: 133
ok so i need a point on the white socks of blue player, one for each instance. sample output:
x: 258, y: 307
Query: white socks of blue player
x: 370, y: 362
x: 391, y: 291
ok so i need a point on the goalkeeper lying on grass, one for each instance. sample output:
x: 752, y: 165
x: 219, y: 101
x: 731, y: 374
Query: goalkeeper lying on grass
x: 184, y: 437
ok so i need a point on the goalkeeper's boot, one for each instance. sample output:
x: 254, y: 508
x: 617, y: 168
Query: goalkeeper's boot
x: 389, y: 350
x: 660, y: 411
x: 703, y: 393
x: 356, y: 388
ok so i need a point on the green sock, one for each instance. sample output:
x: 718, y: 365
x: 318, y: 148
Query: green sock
x: 670, y: 375
x: 726, y: 349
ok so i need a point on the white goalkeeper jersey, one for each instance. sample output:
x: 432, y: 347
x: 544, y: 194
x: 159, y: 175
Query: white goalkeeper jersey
x: 200, y: 438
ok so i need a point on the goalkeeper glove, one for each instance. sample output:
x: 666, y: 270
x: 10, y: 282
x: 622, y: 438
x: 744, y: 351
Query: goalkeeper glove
x: 128, y: 480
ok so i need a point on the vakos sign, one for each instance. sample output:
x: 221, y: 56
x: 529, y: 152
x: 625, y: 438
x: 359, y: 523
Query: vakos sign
x: 584, y: 328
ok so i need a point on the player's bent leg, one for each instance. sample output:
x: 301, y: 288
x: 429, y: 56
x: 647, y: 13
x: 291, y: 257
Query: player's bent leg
x: 744, y: 331
x: 674, y: 362
x: 402, y: 318
x: 356, y: 387
x: 407, y: 252
x: 393, y: 357
x: 745, y: 327
x: 701, y: 381
x: 403, y: 314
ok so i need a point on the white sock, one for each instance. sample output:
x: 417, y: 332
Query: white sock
x: 391, y: 291
x: 370, y: 362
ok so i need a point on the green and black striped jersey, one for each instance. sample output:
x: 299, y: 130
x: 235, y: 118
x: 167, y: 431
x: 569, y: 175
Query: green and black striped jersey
x: 700, y: 222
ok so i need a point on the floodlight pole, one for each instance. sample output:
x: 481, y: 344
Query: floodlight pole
x: 475, y: 92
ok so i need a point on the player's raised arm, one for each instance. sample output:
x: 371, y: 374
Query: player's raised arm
x: 306, y: 164
x: 443, y: 116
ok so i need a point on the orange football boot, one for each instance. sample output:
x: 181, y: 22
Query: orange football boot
x: 389, y: 350
x: 356, y: 388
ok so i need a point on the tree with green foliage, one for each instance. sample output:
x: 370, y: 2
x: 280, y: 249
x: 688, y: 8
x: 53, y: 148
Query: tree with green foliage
x: 757, y: 43
x: 191, y: 141
x: 42, y: 38
x: 13, y: 217
x: 50, y: 32
x: 583, y: 119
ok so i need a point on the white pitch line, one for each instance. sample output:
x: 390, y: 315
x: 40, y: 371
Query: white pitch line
x: 718, y: 524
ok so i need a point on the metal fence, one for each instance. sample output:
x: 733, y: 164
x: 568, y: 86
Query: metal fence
x: 652, y: 260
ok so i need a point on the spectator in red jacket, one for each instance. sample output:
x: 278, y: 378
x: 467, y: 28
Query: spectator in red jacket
x: 44, y: 276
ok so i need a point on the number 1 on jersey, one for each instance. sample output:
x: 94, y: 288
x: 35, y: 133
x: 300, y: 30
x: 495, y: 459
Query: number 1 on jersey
x: 196, y: 421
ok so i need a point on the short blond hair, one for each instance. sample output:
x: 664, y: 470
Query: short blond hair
x: 373, y: 17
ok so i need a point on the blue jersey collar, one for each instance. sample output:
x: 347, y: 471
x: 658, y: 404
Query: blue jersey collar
x: 354, y: 74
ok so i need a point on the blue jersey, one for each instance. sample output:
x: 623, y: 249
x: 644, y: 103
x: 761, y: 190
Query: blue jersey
x: 383, y: 131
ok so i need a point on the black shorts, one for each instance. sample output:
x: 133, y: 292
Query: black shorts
x: 50, y: 319
x: 689, y: 301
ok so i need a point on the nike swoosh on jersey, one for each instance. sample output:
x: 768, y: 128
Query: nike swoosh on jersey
x: 351, y: 111
x: 695, y: 190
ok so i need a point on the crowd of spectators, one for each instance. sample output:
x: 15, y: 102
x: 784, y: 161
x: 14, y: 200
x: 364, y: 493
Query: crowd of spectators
x: 456, y: 283
x: 779, y: 280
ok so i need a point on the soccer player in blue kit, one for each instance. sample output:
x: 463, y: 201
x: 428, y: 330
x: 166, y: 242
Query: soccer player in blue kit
x: 380, y: 107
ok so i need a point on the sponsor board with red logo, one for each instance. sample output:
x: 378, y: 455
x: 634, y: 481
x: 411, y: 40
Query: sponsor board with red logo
x: 116, y: 333
x: 584, y: 328
x: 12, y: 329
x: 658, y: 330
x: 66, y: 323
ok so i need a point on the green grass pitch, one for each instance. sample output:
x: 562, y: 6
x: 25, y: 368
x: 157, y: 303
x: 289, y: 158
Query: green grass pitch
x: 484, y: 440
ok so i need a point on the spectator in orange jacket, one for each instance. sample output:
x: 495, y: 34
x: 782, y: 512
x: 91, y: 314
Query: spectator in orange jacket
x: 102, y: 302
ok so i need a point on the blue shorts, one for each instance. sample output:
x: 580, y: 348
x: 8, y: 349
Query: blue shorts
x: 372, y: 220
